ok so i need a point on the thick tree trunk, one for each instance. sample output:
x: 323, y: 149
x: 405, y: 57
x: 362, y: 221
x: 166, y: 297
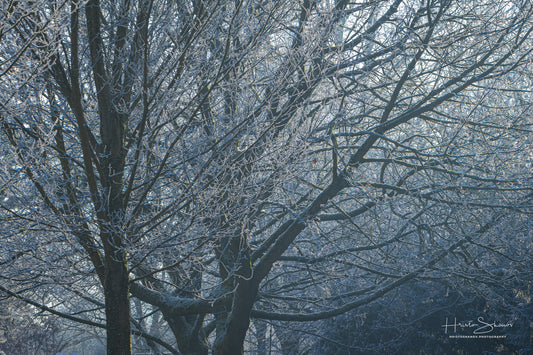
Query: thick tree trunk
x: 117, y: 305
x: 188, y: 342
x: 110, y: 209
x: 231, y: 342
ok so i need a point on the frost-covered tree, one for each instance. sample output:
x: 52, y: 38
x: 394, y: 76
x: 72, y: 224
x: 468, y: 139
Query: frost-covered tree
x: 184, y: 171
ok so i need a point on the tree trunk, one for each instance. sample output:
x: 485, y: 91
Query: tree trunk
x: 231, y: 342
x: 188, y: 342
x: 117, y: 306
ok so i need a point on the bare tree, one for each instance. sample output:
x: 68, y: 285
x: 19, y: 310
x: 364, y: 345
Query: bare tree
x: 228, y: 161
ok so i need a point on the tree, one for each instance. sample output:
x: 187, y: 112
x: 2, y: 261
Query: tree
x: 41, y: 335
x: 410, y: 320
x: 228, y: 161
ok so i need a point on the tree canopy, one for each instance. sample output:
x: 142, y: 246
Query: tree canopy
x: 204, y: 175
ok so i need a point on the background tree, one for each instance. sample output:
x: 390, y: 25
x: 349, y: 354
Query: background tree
x: 21, y: 332
x: 227, y: 163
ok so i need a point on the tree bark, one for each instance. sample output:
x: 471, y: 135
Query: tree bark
x: 117, y: 304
